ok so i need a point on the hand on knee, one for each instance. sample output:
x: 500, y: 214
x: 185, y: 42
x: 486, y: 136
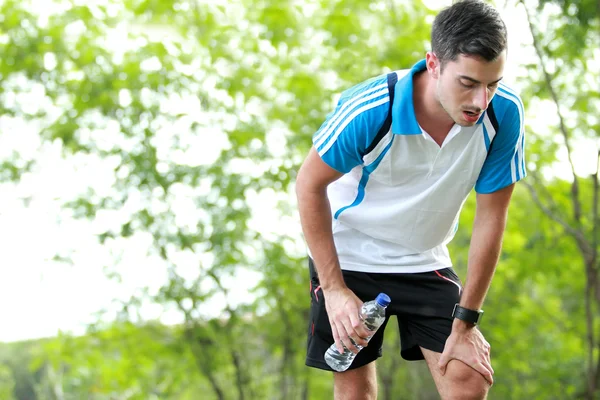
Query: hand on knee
x: 464, y: 383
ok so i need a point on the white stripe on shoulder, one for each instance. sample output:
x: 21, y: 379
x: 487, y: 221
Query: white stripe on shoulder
x: 340, y: 118
x: 515, y: 100
x: 513, y: 167
x: 521, y: 160
x: 339, y: 129
x: 336, y: 118
x: 508, y: 89
x: 517, y: 162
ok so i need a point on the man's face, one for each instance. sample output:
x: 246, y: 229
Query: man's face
x: 467, y: 85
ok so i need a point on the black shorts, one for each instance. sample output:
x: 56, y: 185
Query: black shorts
x: 423, y: 303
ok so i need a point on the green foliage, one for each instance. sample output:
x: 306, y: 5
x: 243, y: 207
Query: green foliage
x: 7, y: 383
x: 148, y: 85
x: 566, y: 79
x: 213, y: 106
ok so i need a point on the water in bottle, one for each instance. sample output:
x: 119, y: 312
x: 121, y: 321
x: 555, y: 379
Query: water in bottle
x: 373, y: 315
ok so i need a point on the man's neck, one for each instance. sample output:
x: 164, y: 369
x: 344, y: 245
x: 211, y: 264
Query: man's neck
x: 430, y: 114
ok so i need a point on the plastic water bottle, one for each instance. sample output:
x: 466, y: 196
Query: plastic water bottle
x: 373, y: 315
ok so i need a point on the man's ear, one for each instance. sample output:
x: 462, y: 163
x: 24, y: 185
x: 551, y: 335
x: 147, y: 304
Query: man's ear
x: 433, y: 65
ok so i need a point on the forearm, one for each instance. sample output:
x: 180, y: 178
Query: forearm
x: 316, y: 219
x: 486, y: 244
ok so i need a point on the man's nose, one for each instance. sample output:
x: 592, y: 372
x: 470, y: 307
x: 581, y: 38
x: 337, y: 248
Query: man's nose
x: 481, y: 98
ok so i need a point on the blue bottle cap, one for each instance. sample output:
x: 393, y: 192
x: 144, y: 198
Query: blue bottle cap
x: 383, y: 299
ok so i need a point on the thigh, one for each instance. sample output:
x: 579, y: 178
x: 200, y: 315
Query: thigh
x: 359, y: 384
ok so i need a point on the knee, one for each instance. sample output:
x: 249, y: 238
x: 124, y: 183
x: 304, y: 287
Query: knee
x: 465, y: 383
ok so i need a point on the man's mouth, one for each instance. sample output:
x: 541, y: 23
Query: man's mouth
x: 471, y: 116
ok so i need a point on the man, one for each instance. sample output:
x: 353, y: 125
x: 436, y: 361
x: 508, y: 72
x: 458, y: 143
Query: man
x: 380, y: 195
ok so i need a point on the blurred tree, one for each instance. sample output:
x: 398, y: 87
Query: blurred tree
x: 200, y: 114
x: 197, y: 111
x: 565, y: 79
x: 7, y: 383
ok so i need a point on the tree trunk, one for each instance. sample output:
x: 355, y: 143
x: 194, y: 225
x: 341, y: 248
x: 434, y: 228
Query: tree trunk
x: 387, y: 377
x: 210, y: 376
x: 288, y: 352
x: 239, y: 377
x: 305, y: 387
x: 205, y: 369
x: 590, y: 339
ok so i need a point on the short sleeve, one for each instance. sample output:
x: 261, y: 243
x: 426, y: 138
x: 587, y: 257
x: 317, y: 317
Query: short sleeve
x: 348, y: 131
x: 505, y: 163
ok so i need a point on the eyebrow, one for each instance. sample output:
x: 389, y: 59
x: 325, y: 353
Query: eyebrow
x: 475, y: 80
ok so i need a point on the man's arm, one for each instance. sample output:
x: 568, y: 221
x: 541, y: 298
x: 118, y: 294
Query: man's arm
x: 315, y: 217
x: 341, y: 303
x: 486, y: 243
x: 503, y: 167
x: 339, y: 146
x: 466, y: 343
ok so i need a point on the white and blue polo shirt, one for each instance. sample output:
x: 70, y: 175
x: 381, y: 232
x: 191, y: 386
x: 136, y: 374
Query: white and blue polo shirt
x: 397, y: 205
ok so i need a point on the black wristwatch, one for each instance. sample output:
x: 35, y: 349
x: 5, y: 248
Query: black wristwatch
x: 464, y: 314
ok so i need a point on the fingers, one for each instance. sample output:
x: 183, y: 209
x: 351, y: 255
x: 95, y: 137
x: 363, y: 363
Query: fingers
x: 442, y: 363
x: 358, y: 332
x: 478, y: 359
x: 488, y: 365
x: 341, y: 337
x: 336, y: 337
x: 485, y: 369
x: 346, y: 338
x: 486, y: 360
x: 488, y: 350
x: 483, y: 365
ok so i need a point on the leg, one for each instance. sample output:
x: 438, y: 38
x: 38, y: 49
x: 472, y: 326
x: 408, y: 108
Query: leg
x: 425, y: 328
x: 356, y: 384
x: 460, y: 381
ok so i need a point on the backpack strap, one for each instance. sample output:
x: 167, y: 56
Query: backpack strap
x: 392, y: 78
x: 492, y: 116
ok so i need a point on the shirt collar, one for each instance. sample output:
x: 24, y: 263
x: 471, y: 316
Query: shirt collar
x: 404, y: 120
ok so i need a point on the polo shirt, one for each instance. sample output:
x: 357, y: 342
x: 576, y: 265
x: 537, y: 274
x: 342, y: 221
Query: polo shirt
x: 397, y: 205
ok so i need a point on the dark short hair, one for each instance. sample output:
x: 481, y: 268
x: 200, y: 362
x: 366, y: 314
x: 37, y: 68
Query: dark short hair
x: 468, y: 27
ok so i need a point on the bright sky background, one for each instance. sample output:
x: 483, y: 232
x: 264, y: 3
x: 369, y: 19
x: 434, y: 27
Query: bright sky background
x: 41, y: 297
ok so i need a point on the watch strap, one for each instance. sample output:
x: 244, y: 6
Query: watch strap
x: 467, y: 315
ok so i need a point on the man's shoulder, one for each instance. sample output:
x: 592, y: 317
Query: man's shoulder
x: 376, y: 81
x: 507, y: 103
x: 370, y: 85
